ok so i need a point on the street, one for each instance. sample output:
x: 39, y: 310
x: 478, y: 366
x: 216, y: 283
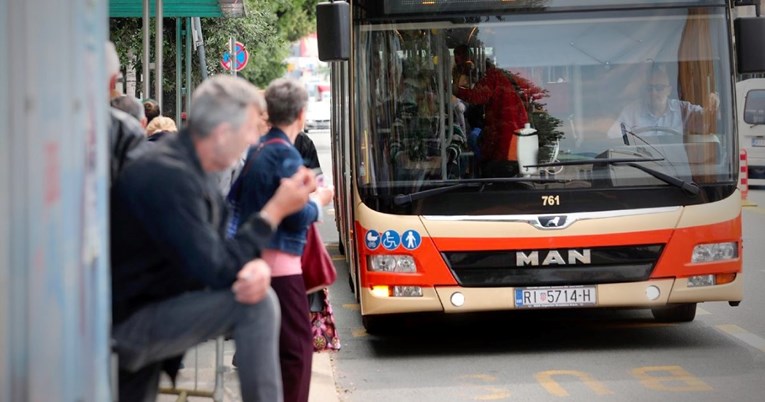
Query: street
x: 621, y: 355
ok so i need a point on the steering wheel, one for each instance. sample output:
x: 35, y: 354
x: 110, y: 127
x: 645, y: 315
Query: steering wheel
x: 668, y: 130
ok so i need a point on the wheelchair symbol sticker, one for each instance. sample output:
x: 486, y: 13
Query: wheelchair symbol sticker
x: 372, y: 239
x: 411, y: 239
x: 391, y: 240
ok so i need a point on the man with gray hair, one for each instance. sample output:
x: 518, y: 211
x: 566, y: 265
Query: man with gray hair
x: 132, y: 106
x: 176, y: 279
x: 126, y: 136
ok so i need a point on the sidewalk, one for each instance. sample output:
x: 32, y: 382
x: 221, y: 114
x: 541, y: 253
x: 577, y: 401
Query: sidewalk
x: 322, y: 377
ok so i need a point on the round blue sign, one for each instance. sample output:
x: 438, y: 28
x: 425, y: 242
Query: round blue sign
x: 411, y: 239
x: 391, y: 240
x: 372, y: 239
x: 242, y: 57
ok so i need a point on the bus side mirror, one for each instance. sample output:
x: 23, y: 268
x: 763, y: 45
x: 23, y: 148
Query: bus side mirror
x: 750, y: 44
x: 333, y: 31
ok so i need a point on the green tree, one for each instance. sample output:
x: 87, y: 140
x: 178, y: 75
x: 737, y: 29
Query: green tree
x: 267, y: 31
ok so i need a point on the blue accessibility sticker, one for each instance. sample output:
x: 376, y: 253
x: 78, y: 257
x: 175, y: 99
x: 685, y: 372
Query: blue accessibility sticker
x: 411, y: 239
x: 372, y: 239
x: 391, y: 240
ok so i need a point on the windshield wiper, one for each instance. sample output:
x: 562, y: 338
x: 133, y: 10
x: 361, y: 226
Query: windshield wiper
x: 402, y: 199
x: 687, y: 186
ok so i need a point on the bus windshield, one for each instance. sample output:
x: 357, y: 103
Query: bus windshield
x: 453, y: 111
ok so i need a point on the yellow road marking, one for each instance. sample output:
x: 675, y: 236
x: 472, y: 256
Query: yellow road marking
x: 545, y: 378
x: 481, y: 377
x: 701, y: 311
x: 743, y: 335
x: 494, y: 395
x: 352, y: 306
x: 688, y: 382
x: 338, y: 258
x: 359, y: 332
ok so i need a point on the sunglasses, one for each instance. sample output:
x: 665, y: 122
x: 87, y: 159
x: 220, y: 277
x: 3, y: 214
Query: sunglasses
x: 657, y: 87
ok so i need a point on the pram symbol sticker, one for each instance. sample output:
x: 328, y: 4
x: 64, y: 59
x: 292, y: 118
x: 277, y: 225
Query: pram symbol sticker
x: 372, y: 239
x: 411, y: 239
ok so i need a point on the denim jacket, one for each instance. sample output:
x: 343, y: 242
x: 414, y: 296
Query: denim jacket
x: 266, y: 165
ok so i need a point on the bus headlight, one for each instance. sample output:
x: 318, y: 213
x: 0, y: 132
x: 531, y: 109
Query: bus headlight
x: 392, y: 263
x: 715, y: 252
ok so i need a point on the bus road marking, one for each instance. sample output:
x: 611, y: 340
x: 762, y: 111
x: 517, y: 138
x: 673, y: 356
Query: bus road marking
x: 663, y: 382
x: 491, y: 392
x: 359, y: 332
x: 743, y: 335
x: 545, y: 378
x: 495, y: 394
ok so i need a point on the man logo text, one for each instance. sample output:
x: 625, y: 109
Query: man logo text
x: 553, y: 257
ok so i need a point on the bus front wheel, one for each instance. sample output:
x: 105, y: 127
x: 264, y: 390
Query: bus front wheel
x: 675, y: 313
x: 376, y: 324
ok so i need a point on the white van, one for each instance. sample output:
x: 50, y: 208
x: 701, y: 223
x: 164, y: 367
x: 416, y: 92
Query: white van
x: 751, y: 126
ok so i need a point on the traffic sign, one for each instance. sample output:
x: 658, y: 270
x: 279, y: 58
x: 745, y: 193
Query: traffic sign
x: 242, y: 57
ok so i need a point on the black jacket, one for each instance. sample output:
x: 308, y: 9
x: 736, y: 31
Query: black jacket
x: 126, y: 140
x: 307, y: 150
x: 168, y: 230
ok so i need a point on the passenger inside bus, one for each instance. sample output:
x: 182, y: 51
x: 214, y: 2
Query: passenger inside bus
x: 504, y: 113
x: 418, y: 140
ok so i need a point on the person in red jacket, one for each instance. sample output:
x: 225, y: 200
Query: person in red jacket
x: 504, y: 114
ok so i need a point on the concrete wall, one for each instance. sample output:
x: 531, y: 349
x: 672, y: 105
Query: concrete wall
x: 54, y: 284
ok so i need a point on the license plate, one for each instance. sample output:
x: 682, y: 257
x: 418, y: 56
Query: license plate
x: 758, y: 141
x: 555, y: 297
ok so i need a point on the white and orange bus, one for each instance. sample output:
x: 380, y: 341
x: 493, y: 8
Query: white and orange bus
x: 578, y: 217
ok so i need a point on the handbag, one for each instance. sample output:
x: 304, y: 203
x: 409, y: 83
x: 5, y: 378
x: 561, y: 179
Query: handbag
x: 318, y: 270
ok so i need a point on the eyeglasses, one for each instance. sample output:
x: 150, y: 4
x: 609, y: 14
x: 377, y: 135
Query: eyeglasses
x: 657, y: 87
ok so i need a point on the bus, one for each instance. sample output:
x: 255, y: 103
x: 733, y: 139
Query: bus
x: 587, y: 209
x: 751, y: 120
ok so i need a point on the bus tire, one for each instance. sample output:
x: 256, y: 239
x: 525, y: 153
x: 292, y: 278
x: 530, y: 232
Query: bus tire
x: 375, y: 324
x: 341, y: 247
x: 675, y: 313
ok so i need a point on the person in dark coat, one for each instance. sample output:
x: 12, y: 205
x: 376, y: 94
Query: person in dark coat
x: 126, y: 138
x: 323, y: 328
x: 305, y: 146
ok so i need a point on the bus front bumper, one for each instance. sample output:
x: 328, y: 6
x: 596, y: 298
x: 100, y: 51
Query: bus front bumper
x: 634, y: 294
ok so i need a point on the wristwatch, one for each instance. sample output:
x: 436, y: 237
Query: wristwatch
x: 267, y: 218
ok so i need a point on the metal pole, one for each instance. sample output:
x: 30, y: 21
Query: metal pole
x: 178, y: 69
x: 189, y: 29
x: 158, y: 53
x: 199, y: 43
x: 145, y: 65
x: 232, y: 61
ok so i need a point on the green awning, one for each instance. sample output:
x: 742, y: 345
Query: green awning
x: 178, y: 8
